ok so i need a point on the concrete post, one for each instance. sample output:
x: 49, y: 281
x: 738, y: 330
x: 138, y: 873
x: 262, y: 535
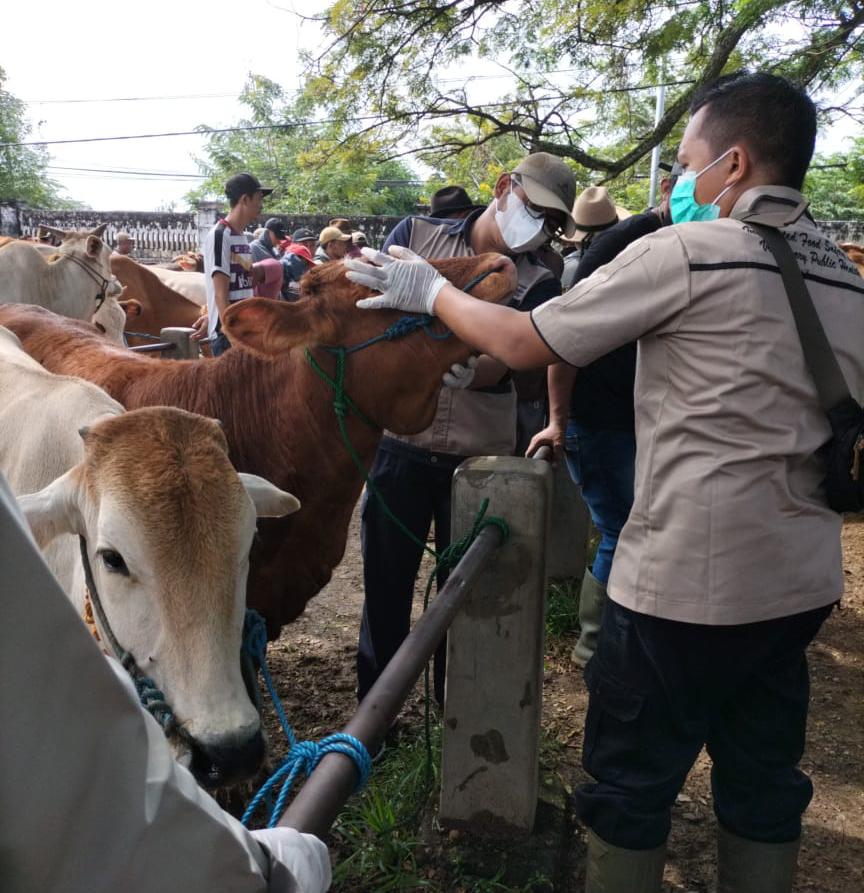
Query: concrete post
x: 495, y: 655
x: 10, y: 219
x: 184, y: 347
x: 207, y: 214
x: 568, y: 534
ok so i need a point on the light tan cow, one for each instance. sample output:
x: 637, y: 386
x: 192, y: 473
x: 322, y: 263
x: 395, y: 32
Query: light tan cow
x: 73, y: 282
x: 168, y: 525
x: 189, y: 284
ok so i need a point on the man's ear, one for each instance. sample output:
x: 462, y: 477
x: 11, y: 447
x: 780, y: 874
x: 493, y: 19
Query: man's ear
x: 273, y: 327
x: 502, y: 185
x: 54, y: 510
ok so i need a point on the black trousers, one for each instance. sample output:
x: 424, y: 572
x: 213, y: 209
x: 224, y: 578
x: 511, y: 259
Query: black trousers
x: 416, y: 486
x: 660, y: 690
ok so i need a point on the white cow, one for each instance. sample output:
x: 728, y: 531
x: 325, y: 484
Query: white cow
x: 72, y: 282
x: 188, y: 283
x: 168, y: 525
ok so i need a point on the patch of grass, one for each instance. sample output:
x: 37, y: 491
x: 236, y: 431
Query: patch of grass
x: 562, y: 608
x: 376, y: 838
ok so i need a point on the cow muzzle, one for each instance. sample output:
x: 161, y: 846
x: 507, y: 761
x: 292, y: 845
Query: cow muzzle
x: 228, y: 761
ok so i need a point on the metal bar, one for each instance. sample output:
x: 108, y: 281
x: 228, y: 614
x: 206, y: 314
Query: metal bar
x: 161, y: 347
x: 325, y: 792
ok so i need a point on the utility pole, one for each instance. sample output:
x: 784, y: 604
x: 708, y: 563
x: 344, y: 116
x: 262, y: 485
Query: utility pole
x: 655, y: 152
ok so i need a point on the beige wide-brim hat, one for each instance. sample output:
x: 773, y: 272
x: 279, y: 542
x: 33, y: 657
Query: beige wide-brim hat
x: 594, y: 211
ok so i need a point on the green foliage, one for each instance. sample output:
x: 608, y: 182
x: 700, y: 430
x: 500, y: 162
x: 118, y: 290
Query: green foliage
x: 581, y: 75
x: 376, y: 837
x: 313, y: 168
x: 562, y: 608
x: 22, y: 168
x: 835, y: 185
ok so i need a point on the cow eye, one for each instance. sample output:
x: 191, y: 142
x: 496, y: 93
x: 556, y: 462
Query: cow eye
x: 114, y: 562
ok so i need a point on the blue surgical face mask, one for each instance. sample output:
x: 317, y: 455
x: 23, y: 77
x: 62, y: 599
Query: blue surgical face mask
x: 682, y: 203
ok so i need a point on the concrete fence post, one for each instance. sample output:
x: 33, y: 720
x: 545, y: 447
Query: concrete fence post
x: 207, y: 213
x: 494, y: 687
x: 184, y: 347
x: 568, y: 533
x: 10, y: 219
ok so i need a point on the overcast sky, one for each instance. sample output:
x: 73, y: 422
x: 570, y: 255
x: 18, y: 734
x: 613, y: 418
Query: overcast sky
x: 200, y: 52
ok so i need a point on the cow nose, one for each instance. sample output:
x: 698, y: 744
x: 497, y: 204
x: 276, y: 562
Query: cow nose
x: 228, y: 761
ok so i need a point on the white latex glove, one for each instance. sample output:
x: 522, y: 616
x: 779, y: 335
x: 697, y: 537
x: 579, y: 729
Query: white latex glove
x: 304, y: 855
x: 461, y: 376
x: 405, y: 280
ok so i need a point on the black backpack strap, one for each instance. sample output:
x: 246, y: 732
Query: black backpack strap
x: 820, y: 358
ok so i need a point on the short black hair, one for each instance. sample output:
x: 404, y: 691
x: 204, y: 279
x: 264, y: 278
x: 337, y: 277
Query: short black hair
x: 775, y: 120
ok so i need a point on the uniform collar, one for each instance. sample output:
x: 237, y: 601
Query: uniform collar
x: 772, y: 205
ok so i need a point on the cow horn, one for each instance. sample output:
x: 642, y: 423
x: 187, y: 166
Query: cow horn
x: 53, y: 231
x: 99, y: 230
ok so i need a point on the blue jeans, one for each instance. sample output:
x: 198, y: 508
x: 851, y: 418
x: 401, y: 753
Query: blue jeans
x: 603, y: 464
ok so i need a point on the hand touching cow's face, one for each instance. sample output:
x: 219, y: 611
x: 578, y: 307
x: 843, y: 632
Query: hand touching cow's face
x: 327, y: 315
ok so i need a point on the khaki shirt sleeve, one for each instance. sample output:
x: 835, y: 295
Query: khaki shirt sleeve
x: 644, y: 290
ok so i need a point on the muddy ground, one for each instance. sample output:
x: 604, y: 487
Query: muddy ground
x: 314, y: 665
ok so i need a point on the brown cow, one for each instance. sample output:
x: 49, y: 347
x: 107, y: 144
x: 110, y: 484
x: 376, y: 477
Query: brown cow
x: 161, y: 306
x: 278, y: 413
x: 855, y: 253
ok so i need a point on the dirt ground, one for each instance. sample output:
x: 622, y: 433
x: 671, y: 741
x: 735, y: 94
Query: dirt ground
x: 314, y: 665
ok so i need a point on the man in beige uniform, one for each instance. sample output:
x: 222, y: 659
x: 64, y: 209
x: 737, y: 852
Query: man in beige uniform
x: 730, y: 560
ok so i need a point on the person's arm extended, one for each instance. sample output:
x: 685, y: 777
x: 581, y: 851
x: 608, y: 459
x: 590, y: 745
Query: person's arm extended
x: 560, y: 379
x: 502, y: 332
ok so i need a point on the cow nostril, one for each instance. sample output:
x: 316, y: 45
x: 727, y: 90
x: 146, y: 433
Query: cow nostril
x: 227, y: 762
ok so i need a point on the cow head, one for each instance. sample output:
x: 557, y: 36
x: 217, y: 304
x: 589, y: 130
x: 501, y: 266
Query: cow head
x: 395, y: 382
x: 169, y: 524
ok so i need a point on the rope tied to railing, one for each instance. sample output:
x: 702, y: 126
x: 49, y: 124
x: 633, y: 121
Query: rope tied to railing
x: 302, y: 756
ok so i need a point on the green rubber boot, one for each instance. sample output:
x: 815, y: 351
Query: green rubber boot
x: 592, y: 598
x: 612, y: 869
x: 745, y: 866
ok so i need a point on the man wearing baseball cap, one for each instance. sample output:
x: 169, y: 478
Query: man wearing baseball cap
x: 125, y: 243
x: 476, y: 413
x: 265, y: 247
x: 228, y: 256
x: 333, y: 244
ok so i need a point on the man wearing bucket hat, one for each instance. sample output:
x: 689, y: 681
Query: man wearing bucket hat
x: 451, y: 202
x: 593, y: 212
x: 476, y: 413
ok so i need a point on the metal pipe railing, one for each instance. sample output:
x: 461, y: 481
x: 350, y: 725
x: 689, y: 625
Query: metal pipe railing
x: 327, y: 789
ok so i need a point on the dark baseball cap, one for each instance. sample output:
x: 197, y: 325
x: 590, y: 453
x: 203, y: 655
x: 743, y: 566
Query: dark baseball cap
x: 304, y: 235
x: 274, y: 224
x: 244, y: 184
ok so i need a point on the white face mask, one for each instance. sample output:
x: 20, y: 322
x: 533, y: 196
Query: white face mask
x: 519, y: 230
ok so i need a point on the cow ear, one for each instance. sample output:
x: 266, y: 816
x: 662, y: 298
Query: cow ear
x: 99, y: 230
x: 131, y: 308
x: 273, y: 327
x: 54, y: 510
x: 94, y: 246
x: 269, y: 500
